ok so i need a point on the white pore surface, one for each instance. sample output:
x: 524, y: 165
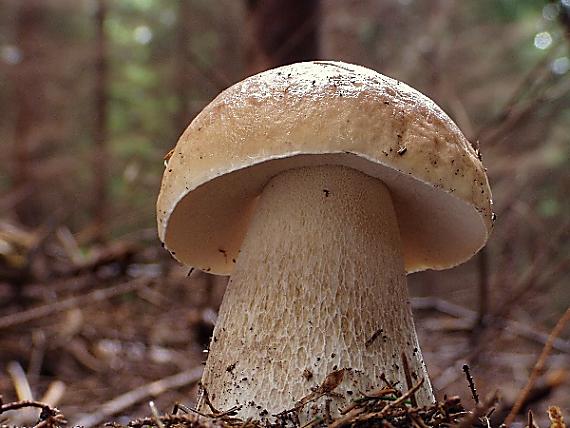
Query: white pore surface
x: 209, y: 224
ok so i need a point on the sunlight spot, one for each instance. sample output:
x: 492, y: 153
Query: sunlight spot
x: 560, y: 65
x: 550, y: 11
x: 11, y: 54
x: 543, y: 40
x: 142, y: 34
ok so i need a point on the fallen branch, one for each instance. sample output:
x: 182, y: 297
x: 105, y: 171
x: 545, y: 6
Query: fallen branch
x: 120, y: 252
x: 49, y: 417
x: 153, y: 389
x: 71, y: 302
x: 469, y: 316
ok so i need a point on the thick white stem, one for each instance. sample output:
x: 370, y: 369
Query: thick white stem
x: 319, y: 286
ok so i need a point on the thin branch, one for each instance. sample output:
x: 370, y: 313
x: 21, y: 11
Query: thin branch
x: 469, y: 316
x: 130, y: 398
x: 72, y: 302
x: 471, y: 383
x: 49, y: 417
x: 538, y: 367
x: 479, y: 412
x: 524, y: 88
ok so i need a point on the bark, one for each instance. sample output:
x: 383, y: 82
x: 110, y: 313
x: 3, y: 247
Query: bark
x: 565, y: 19
x: 28, y: 99
x: 281, y: 32
x: 101, y: 157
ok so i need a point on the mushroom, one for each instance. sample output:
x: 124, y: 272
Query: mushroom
x: 318, y: 186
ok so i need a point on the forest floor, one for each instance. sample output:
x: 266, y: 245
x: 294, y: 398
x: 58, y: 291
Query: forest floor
x: 119, y: 336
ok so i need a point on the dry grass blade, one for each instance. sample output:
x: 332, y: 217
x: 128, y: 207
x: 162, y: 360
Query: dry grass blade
x: 155, y: 414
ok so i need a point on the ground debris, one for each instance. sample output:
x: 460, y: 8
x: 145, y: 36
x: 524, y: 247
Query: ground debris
x: 384, y: 407
x: 386, y: 410
x: 555, y: 416
x: 50, y: 417
x: 389, y: 410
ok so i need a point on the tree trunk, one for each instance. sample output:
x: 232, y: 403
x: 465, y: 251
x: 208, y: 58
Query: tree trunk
x: 281, y: 32
x: 100, y: 158
x: 182, y: 72
x: 28, y: 97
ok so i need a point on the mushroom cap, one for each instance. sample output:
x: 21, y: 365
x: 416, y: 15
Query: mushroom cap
x: 317, y: 113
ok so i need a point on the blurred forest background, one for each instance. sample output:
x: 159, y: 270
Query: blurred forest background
x: 94, y: 93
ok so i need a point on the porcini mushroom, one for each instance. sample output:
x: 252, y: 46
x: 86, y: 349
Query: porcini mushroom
x: 318, y: 186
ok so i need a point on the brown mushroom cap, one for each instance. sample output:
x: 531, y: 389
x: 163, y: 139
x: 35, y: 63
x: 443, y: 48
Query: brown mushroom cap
x: 317, y: 113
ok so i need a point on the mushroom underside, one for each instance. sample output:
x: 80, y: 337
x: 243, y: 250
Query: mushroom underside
x: 438, y: 230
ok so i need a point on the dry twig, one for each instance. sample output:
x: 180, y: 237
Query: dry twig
x: 49, y: 417
x: 137, y: 395
x: 468, y: 315
x: 71, y: 302
x: 471, y: 383
x: 538, y: 367
x: 480, y: 411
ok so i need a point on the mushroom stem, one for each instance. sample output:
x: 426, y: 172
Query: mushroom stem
x: 319, y: 286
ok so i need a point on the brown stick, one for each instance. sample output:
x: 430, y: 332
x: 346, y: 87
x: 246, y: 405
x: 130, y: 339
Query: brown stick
x: 471, y: 383
x: 515, y: 327
x: 49, y: 416
x: 137, y: 395
x: 538, y: 367
x: 62, y: 305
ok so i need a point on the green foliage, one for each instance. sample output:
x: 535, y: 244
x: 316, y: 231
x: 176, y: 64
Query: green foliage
x: 507, y: 11
x: 496, y: 40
